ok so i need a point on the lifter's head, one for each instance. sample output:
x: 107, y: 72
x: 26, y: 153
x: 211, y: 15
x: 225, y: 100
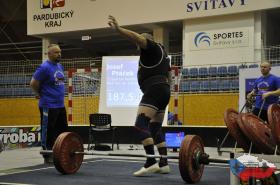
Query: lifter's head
x: 54, y: 53
x: 148, y: 36
x: 265, y: 67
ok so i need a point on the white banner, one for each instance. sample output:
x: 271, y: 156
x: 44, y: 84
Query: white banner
x: 50, y: 16
x: 228, y: 38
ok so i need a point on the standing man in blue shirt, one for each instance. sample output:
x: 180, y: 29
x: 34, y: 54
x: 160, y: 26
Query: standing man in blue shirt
x: 267, y: 87
x: 48, y: 86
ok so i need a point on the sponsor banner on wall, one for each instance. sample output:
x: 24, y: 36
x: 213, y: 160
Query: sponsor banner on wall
x: 53, y: 16
x: 14, y: 137
x: 214, y: 39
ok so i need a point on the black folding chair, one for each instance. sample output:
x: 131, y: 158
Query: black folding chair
x: 100, y: 123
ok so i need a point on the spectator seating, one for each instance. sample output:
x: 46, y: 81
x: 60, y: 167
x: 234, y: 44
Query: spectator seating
x: 22, y: 79
x: 224, y: 85
x: 209, y: 85
x: 193, y: 72
x: 232, y: 70
x: 185, y: 86
x: 214, y: 85
x: 14, y: 79
x: 275, y: 64
x: 185, y: 72
x: 195, y: 86
x: 203, y: 72
x: 15, y: 91
x: 3, y: 92
x: 213, y: 78
x: 204, y: 85
x: 253, y: 66
x: 2, y: 80
x: 23, y: 91
x: 235, y: 84
x: 28, y: 78
x: 212, y: 71
x: 17, y: 85
x: 222, y: 71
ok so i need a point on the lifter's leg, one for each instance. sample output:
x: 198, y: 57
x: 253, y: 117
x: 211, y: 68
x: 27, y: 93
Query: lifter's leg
x: 159, y: 140
x: 144, y: 116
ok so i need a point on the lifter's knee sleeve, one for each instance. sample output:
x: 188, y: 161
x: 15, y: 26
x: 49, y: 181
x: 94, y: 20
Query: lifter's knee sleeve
x: 156, y: 132
x: 142, y: 126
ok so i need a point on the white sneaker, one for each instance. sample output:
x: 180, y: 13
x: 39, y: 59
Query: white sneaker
x: 164, y: 169
x: 145, y: 171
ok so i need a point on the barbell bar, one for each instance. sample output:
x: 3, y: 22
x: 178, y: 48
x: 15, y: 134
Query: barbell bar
x: 113, y: 154
x: 68, y: 153
x: 205, y: 160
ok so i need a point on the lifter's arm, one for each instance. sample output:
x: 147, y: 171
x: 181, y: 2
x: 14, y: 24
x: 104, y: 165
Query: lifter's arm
x: 170, y: 78
x: 138, y: 39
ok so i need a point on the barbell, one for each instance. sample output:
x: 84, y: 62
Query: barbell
x: 68, y: 153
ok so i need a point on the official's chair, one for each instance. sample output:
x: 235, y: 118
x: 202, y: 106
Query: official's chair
x: 100, y: 123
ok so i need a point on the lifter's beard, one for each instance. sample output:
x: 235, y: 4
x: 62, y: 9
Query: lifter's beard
x: 57, y: 60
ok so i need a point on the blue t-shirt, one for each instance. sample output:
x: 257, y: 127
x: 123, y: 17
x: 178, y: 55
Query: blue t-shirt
x: 51, y: 78
x: 265, y: 84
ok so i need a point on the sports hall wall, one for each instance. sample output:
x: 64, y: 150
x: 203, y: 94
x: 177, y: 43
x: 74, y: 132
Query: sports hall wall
x: 194, y: 109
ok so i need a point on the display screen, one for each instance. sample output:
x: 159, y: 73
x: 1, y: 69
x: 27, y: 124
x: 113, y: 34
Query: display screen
x: 122, y: 86
x: 174, y: 139
x: 120, y: 94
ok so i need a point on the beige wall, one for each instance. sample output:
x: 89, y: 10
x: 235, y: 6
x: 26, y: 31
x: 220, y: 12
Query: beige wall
x: 92, y: 14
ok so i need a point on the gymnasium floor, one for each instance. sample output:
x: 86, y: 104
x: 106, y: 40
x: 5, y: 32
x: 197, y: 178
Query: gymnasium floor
x: 25, y: 166
x: 108, y: 171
